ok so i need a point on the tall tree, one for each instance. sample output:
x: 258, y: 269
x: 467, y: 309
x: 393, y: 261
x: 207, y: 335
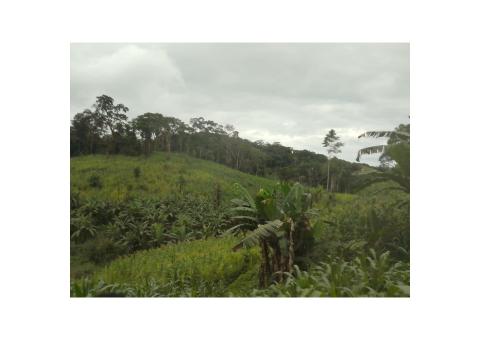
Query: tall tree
x: 112, y: 115
x: 86, y: 132
x: 148, y: 126
x: 333, y: 145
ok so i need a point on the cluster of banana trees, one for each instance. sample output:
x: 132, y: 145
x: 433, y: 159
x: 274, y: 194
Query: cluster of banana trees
x: 278, y: 221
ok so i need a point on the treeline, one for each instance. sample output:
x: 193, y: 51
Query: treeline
x: 107, y: 130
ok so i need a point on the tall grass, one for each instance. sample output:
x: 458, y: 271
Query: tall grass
x: 185, y: 269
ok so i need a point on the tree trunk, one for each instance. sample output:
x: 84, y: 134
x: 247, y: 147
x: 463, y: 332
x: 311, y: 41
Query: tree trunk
x: 265, y: 271
x: 328, y: 173
x: 291, y: 247
x: 168, y: 142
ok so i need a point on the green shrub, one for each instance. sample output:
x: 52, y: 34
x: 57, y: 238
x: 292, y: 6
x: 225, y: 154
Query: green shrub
x: 102, y: 250
x: 82, y: 229
x: 372, y: 276
x: 136, y: 172
x: 356, y: 224
x: 94, y: 181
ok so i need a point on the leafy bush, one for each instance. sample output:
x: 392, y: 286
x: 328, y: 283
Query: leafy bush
x: 364, y: 276
x: 82, y: 229
x: 102, y: 250
x: 94, y: 181
x: 359, y: 223
x: 136, y: 172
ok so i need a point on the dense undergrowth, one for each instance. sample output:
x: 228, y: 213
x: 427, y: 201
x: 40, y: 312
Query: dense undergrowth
x: 120, y: 204
x: 156, y: 227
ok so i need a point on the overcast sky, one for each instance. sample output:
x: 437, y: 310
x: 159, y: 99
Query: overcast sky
x: 288, y: 93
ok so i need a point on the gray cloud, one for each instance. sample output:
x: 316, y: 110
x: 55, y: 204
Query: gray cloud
x: 291, y: 93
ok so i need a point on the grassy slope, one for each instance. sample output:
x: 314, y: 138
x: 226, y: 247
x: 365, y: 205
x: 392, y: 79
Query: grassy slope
x: 159, y: 176
x: 193, y: 263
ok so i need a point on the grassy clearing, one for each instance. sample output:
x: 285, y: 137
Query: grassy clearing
x: 113, y: 177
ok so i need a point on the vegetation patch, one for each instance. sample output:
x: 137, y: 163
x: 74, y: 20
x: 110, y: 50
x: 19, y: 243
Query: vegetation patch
x: 197, y: 268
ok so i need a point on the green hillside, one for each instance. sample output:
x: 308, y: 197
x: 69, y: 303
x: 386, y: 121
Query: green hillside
x: 113, y: 177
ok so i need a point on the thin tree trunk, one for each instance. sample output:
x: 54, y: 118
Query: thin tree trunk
x: 328, y: 173
x: 265, y: 271
x: 291, y: 248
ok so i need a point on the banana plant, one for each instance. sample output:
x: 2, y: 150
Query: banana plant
x: 82, y: 228
x: 276, y: 220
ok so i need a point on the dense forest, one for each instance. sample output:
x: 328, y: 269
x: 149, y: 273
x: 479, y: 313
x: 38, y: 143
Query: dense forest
x: 160, y: 207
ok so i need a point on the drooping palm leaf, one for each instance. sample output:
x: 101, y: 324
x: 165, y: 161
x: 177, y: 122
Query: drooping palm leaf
x: 238, y: 227
x: 244, y: 194
x: 262, y: 232
x: 376, y: 176
x: 244, y: 209
x: 244, y: 217
x: 371, y: 150
x: 380, y: 134
x: 239, y: 202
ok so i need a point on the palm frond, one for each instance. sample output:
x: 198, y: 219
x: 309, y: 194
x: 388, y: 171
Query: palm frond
x: 237, y: 227
x: 375, y: 177
x: 262, y: 232
x: 239, y: 202
x: 244, y: 217
x: 243, y: 209
x: 371, y: 150
x: 380, y: 134
x: 241, y: 191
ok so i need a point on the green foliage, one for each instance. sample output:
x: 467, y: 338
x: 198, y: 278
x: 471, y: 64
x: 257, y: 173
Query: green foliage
x: 373, y: 276
x: 262, y: 232
x: 332, y: 142
x: 198, y: 268
x: 371, y: 219
x: 136, y: 172
x: 397, y: 151
x: 82, y: 228
x: 279, y: 223
x: 106, y: 130
x: 102, y: 250
x: 125, y: 227
x: 157, y: 233
x: 94, y: 181
x: 155, y: 181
